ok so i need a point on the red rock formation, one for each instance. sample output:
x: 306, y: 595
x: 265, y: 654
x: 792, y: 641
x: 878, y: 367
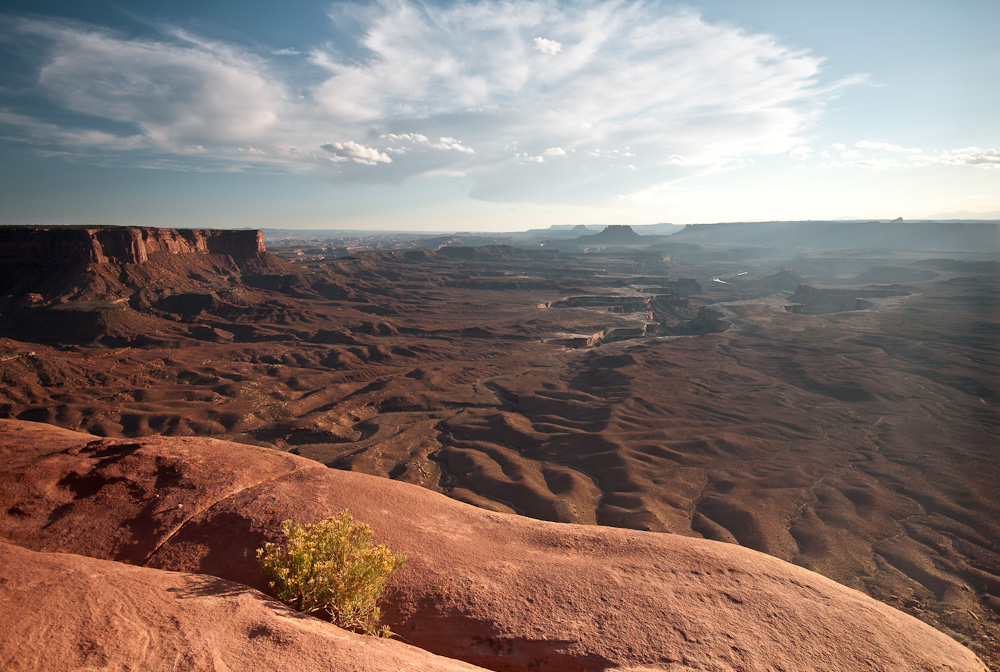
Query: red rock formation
x: 60, y: 611
x: 54, y: 246
x: 492, y: 589
x: 63, y: 246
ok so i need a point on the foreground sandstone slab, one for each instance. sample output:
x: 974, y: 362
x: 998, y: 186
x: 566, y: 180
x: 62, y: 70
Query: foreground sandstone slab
x: 492, y: 589
x: 60, y: 611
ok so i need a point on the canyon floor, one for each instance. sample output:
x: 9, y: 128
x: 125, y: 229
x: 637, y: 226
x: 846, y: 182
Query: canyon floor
x: 850, y: 429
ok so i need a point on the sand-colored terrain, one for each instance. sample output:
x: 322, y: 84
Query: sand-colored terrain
x: 857, y: 443
x: 502, y: 591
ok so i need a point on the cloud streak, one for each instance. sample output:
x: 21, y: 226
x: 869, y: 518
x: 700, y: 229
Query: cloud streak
x: 887, y: 156
x: 179, y: 95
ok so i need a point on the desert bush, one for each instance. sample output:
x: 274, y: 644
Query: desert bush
x: 333, y: 571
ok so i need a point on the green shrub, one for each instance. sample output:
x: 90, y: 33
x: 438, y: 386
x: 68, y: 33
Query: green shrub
x: 332, y: 570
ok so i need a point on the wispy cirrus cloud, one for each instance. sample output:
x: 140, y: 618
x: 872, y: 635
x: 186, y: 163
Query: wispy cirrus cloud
x: 886, y: 156
x: 25, y: 129
x: 531, y: 100
x: 178, y: 93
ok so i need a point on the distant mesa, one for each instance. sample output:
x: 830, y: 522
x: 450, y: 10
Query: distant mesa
x: 784, y: 280
x: 983, y: 236
x: 809, y: 300
x: 615, y: 233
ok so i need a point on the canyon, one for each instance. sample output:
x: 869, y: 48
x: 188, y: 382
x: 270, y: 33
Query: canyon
x: 830, y: 408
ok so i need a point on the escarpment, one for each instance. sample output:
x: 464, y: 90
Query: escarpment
x: 100, y: 284
x: 123, y: 245
x: 90, y: 263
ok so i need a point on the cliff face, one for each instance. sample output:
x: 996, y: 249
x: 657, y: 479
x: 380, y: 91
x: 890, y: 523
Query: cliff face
x: 121, y: 245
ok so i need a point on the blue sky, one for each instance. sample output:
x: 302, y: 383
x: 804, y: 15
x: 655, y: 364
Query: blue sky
x: 496, y: 115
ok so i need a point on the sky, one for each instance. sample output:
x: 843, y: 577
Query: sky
x: 496, y: 116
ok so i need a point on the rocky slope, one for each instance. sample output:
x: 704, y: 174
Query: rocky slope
x: 492, y: 589
x: 60, y: 611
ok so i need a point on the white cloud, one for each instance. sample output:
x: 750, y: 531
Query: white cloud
x: 969, y: 156
x: 801, y: 152
x: 550, y: 47
x: 866, y: 144
x: 523, y: 157
x: 442, y: 173
x: 453, y: 144
x: 358, y: 153
x: 33, y: 131
x: 179, y: 94
x: 416, y: 138
x: 878, y: 164
x: 915, y: 157
x: 659, y: 81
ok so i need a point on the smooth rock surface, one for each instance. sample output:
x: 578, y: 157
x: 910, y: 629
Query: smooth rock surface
x: 60, y: 611
x: 493, y: 589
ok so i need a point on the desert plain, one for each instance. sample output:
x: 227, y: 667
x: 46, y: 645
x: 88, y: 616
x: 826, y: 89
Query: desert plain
x: 824, y: 394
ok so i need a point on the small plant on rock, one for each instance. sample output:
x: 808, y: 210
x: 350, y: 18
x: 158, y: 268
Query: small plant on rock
x: 332, y: 570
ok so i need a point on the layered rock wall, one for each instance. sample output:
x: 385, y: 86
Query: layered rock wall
x: 123, y: 245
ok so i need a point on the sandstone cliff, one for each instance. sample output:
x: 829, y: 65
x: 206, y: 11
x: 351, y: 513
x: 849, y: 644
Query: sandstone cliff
x: 124, y: 245
x: 48, y: 264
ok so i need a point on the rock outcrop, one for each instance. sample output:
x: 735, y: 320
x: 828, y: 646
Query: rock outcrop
x: 492, y: 589
x: 784, y: 280
x: 113, y: 262
x: 60, y: 611
x: 707, y: 321
x: 809, y: 300
x: 63, y: 246
x: 615, y: 233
